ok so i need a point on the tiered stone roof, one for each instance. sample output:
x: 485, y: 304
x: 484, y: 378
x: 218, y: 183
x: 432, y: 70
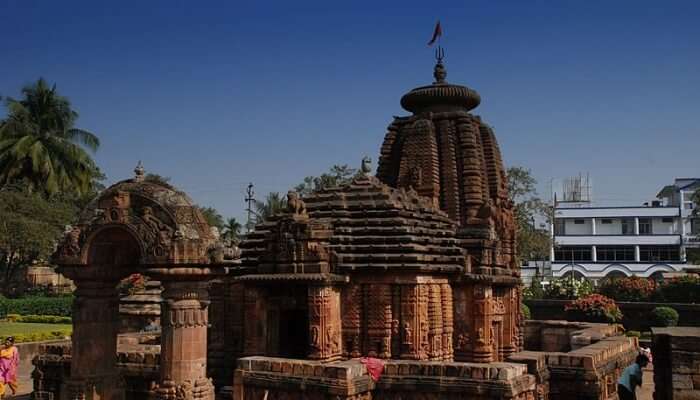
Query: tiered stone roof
x: 373, y: 226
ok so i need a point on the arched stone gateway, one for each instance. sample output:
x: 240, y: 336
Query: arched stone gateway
x: 143, y: 227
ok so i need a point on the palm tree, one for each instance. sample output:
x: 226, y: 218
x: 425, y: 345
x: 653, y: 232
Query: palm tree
x: 274, y: 203
x: 232, y: 230
x: 40, y: 145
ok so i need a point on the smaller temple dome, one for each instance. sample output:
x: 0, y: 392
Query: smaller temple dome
x: 166, y: 224
x: 440, y: 96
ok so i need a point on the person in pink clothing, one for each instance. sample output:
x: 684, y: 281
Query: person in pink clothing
x: 9, y: 360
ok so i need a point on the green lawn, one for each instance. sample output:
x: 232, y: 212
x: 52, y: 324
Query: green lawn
x: 21, y: 329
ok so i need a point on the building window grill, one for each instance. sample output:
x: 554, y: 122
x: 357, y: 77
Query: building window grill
x: 559, y: 227
x: 577, y: 253
x: 659, y: 253
x: 627, y: 225
x: 615, y: 253
x: 606, y: 221
x: 667, y: 220
x: 579, y: 222
x: 645, y: 226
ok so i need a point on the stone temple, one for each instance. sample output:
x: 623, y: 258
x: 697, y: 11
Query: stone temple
x: 411, y: 272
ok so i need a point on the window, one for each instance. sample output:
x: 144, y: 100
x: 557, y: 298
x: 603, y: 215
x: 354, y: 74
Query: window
x: 659, y: 253
x: 606, y: 221
x: 578, y: 253
x: 615, y: 253
x: 695, y: 226
x: 627, y: 226
x: 667, y: 220
x: 579, y: 222
x: 559, y: 227
x: 645, y: 226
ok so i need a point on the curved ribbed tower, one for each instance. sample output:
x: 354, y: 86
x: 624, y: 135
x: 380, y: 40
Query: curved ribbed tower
x: 451, y: 156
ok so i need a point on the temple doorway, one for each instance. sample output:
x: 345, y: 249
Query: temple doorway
x: 294, y: 334
x: 288, y: 322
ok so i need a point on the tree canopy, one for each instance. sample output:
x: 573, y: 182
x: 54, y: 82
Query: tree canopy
x: 337, y: 175
x: 30, y: 227
x: 40, y: 145
x: 533, y: 243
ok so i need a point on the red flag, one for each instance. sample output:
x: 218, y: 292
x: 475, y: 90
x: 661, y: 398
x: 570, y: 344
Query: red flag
x: 436, y: 34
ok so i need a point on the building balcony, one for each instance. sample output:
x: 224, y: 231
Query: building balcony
x: 617, y: 212
x: 612, y: 240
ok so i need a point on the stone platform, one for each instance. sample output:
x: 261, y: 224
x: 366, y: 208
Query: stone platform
x: 281, y: 378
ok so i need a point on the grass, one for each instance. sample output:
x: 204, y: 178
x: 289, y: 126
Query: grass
x: 25, y: 332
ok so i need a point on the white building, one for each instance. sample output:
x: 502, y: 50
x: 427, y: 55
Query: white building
x: 599, y: 242
x: 680, y: 195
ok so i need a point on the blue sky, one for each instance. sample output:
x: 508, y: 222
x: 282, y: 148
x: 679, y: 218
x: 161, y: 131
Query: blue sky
x: 217, y: 94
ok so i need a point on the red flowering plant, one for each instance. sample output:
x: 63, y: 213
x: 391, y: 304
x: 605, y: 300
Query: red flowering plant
x: 131, y: 284
x: 593, y: 308
x: 633, y: 288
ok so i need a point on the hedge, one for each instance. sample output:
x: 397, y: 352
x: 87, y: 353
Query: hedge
x: 41, y: 336
x: 58, y: 306
x: 39, y: 319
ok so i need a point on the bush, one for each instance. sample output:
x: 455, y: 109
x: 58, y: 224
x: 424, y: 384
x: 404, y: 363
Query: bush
x: 60, y: 306
x: 632, y: 288
x: 664, y: 316
x: 636, y: 334
x: 38, y: 319
x: 525, y: 310
x: 41, y: 336
x: 593, y: 308
x: 685, y: 289
x: 534, y: 291
x: 567, y: 289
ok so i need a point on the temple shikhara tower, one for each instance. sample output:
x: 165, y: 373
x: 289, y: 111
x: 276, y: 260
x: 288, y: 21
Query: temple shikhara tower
x: 399, y: 285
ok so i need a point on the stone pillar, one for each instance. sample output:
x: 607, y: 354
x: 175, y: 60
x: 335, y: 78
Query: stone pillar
x: 593, y: 227
x: 636, y: 225
x: 325, y: 341
x: 183, y: 359
x: 636, y: 253
x: 94, y: 374
x: 482, y: 330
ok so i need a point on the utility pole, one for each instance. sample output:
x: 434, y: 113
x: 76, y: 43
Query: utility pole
x: 249, y: 198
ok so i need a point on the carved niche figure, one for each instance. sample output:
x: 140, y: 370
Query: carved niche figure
x: 315, y: 338
x: 415, y: 177
x: 157, y: 233
x: 480, y: 338
x: 463, y: 341
x: 71, y: 242
x: 407, y: 332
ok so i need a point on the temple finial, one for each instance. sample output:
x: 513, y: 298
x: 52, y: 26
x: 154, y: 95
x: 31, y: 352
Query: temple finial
x: 439, y: 72
x: 139, y: 172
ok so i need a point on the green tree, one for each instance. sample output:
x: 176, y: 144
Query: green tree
x: 274, y: 203
x: 232, y: 230
x: 39, y: 144
x: 30, y: 228
x: 336, y: 176
x: 212, y: 216
x: 159, y: 179
x: 533, y: 243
